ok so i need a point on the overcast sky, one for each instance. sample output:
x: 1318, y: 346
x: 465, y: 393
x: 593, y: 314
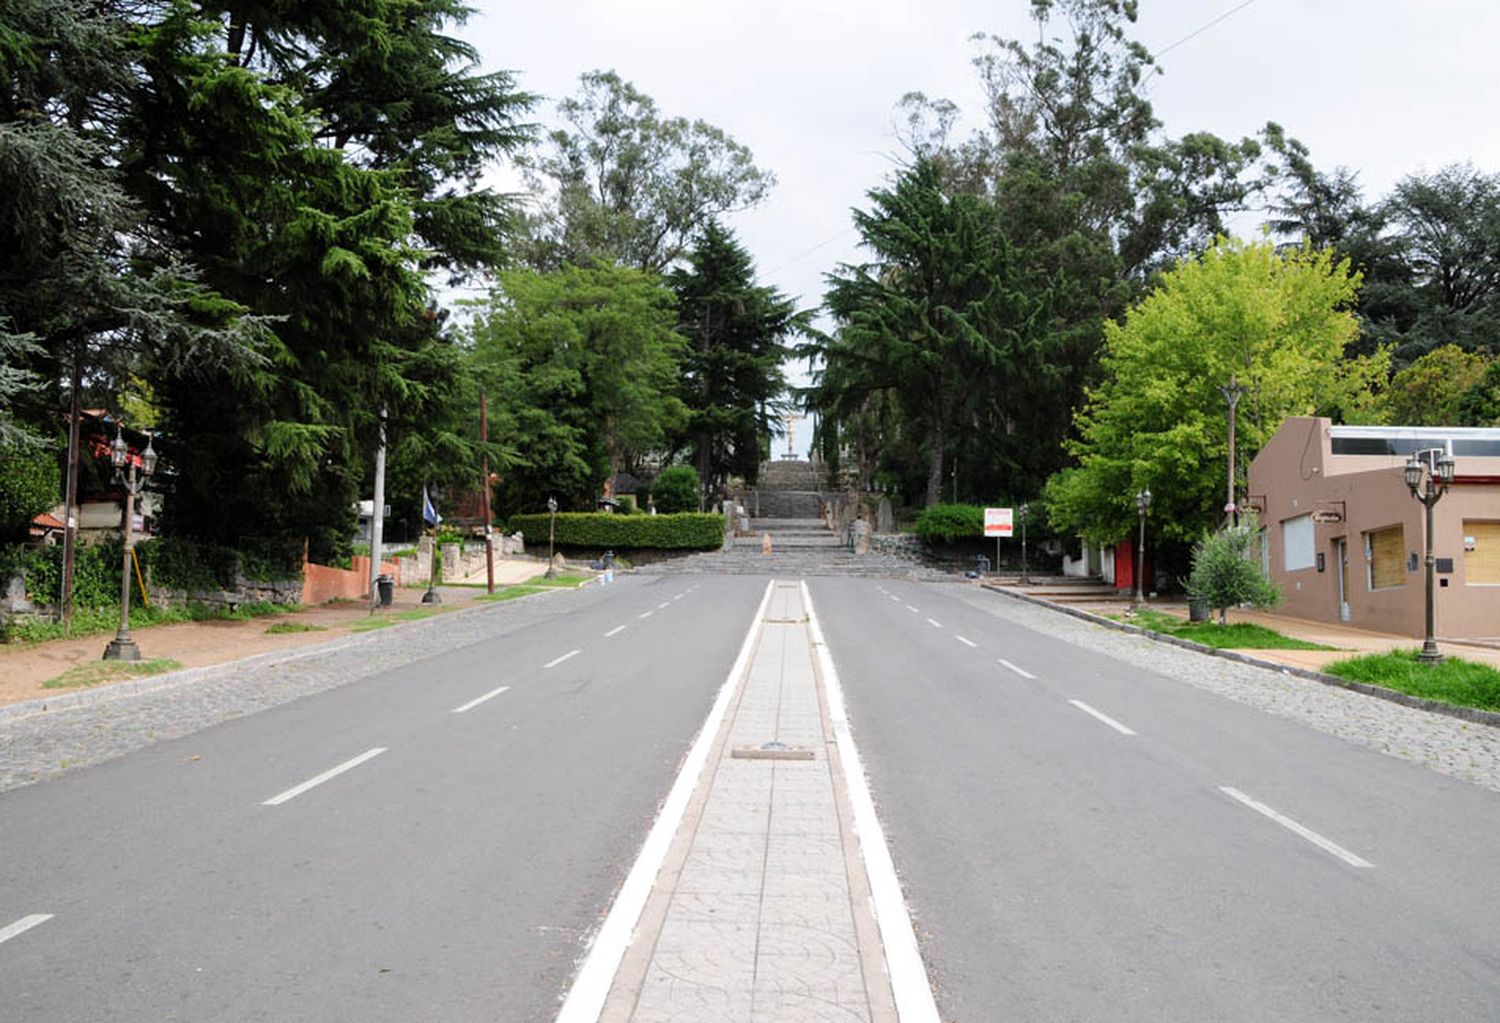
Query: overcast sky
x: 1384, y: 87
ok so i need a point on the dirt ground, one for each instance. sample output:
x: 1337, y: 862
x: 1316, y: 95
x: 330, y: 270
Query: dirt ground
x: 23, y: 669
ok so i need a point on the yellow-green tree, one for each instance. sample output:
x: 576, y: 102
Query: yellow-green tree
x: 1278, y: 323
x: 1431, y: 391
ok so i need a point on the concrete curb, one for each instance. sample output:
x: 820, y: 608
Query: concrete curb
x: 1480, y: 717
x: 170, y: 679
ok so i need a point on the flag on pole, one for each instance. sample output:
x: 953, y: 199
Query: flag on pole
x: 429, y: 513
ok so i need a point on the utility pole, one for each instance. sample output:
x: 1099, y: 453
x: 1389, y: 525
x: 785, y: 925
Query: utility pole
x: 70, y: 498
x: 377, y: 516
x: 1232, y: 392
x: 484, y: 491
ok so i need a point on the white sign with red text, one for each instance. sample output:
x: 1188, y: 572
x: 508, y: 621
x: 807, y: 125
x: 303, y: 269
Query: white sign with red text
x: 998, y: 522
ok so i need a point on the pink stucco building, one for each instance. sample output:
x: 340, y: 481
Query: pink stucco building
x: 1346, y: 541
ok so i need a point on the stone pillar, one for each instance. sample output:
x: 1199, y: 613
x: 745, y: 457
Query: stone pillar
x: 885, y: 519
x: 453, y: 565
x: 861, y: 536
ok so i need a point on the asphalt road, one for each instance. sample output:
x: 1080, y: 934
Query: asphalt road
x: 1060, y: 869
x: 452, y: 875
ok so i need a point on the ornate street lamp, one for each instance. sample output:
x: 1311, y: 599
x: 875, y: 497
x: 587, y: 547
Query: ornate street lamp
x: 551, y: 535
x: 1142, y: 502
x: 1439, y: 469
x: 122, y: 647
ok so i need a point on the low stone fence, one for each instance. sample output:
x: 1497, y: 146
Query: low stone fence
x: 906, y: 546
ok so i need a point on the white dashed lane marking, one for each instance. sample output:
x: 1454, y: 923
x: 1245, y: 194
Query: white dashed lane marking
x: 332, y: 772
x: 23, y: 925
x: 615, y: 631
x: 558, y: 660
x: 1297, y: 829
x: 1019, y: 671
x: 480, y: 699
x: 965, y: 640
x: 1111, y: 722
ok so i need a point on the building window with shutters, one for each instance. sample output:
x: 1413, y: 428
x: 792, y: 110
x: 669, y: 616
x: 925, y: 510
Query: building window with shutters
x: 1385, y: 557
x: 1297, y: 543
x: 1481, y: 553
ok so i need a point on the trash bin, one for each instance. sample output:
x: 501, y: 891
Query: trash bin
x: 387, y: 587
x: 1197, y: 609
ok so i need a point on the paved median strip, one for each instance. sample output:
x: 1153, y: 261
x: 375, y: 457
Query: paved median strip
x: 1099, y: 715
x: 23, y: 925
x: 334, y: 772
x: 480, y: 699
x: 1297, y: 829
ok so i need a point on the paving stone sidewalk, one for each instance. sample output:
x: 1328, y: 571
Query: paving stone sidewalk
x: 762, y: 920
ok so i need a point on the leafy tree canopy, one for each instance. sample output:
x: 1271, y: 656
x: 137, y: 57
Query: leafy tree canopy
x: 630, y: 185
x: 1277, y: 323
x: 584, y: 365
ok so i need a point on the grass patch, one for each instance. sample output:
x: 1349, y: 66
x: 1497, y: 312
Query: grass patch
x: 1456, y: 681
x: 1239, y: 636
x: 84, y: 675
x: 511, y: 593
x: 385, y: 621
x: 282, y: 628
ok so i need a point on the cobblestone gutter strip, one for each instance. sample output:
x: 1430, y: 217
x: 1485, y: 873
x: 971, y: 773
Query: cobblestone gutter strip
x: 1482, y: 717
x: 44, y: 737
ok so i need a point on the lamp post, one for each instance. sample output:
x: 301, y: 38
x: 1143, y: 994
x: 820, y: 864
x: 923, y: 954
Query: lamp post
x: 1232, y: 392
x: 1439, y: 469
x: 551, y: 536
x: 1025, y: 576
x: 1142, y: 502
x: 122, y: 647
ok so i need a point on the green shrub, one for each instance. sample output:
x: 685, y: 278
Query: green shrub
x: 949, y: 522
x: 676, y: 490
x: 687, y: 530
x: 1227, y: 573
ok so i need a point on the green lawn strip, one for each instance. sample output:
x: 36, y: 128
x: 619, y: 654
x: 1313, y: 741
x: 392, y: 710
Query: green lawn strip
x: 1239, y: 636
x: 281, y: 628
x: 1454, y: 681
x: 511, y: 593
x: 98, y: 672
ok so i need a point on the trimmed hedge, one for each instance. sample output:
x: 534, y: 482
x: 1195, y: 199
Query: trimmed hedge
x: 687, y: 530
x: 949, y: 522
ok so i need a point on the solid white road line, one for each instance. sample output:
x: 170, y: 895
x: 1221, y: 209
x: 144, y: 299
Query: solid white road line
x: 1019, y: 671
x: 644, y: 614
x: 1291, y: 825
x: 965, y: 640
x: 591, y: 987
x: 347, y: 765
x: 1111, y: 722
x: 477, y: 701
x: 903, y: 959
x: 558, y: 660
x: 912, y: 609
x: 615, y: 631
x: 934, y: 623
x: 23, y: 925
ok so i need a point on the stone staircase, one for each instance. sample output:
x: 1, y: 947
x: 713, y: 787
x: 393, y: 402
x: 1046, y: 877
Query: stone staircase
x: 790, y: 506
